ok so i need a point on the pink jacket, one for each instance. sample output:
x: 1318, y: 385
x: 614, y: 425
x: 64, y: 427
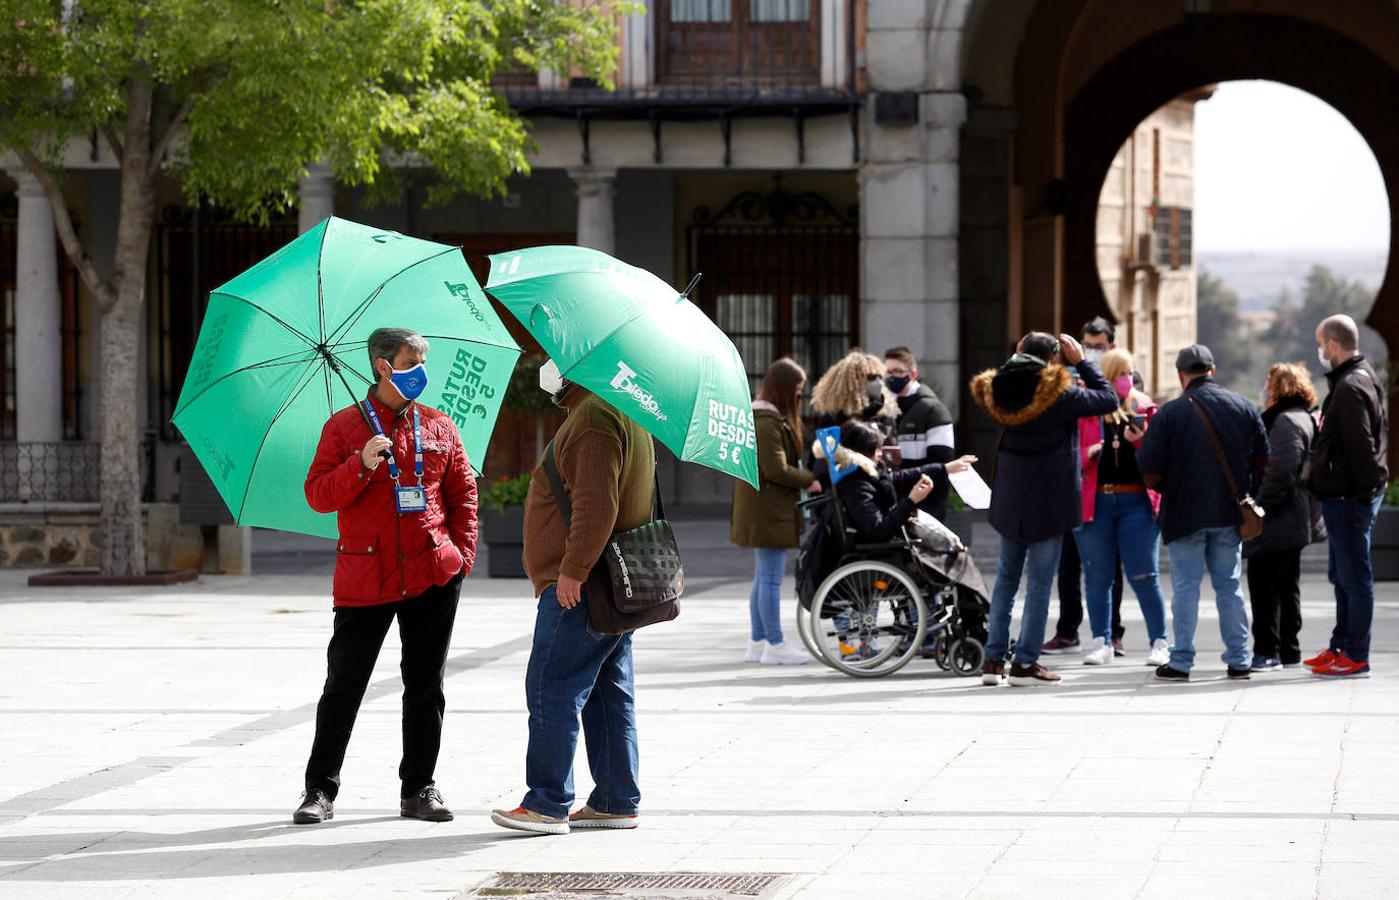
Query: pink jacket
x: 1090, y: 432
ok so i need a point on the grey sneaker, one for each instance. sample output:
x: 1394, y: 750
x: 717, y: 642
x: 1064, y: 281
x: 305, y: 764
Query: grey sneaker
x: 521, y: 819
x: 587, y: 817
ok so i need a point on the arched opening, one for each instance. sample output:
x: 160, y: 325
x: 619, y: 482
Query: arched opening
x: 1240, y: 215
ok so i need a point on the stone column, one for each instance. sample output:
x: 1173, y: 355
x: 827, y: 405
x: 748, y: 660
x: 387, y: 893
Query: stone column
x: 317, y: 191
x: 596, y: 220
x: 38, y: 318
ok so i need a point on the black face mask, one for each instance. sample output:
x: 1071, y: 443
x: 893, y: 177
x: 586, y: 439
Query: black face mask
x: 897, y: 383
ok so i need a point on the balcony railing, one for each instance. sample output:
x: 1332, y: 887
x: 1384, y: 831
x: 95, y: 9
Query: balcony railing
x: 702, y: 54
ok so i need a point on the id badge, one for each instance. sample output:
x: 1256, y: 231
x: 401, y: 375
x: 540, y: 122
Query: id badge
x: 411, y: 500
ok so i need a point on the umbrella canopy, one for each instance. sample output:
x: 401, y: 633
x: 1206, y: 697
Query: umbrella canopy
x: 639, y: 344
x: 283, y: 346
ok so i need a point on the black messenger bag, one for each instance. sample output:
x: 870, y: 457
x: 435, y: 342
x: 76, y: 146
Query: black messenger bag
x: 639, y: 579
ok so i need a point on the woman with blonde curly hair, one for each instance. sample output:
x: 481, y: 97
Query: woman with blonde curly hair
x: 853, y: 388
x: 1292, y: 522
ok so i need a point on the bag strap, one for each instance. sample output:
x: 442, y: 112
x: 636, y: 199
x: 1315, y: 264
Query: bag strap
x: 556, y: 486
x: 1218, y: 448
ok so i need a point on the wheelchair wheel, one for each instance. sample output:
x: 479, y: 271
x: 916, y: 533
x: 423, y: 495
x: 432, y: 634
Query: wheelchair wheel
x: 940, y: 653
x: 966, y: 656
x: 805, y: 629
x: 873, y: 620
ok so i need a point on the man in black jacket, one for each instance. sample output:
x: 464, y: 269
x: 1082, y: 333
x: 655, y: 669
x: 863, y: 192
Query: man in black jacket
x: 1037, y: 496
x: 1349, y: 474
x: 1200, y: 514
x: 924, y: 430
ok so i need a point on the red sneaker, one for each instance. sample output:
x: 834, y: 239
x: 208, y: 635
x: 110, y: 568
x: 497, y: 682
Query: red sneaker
x: 1058, y: 646
x: 1322, y: 660
x: 1343, y: 667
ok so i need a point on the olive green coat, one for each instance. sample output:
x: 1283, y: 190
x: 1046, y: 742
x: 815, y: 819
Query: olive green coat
x: 769, y: 517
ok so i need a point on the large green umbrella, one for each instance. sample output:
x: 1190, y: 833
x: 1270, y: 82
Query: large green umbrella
x: 283, y: 346
x: 639, y: 344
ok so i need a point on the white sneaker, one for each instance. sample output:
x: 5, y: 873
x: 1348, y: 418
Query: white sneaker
x: 1160, y: 653
x: 784, y: 654
x: 755, y: 651
x: 1099, y: 654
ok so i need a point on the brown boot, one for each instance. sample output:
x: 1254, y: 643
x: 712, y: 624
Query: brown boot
x: 1031, y: 676
x: 993, y: 672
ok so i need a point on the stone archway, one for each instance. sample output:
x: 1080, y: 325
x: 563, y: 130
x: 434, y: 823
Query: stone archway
x: 1212, y: 49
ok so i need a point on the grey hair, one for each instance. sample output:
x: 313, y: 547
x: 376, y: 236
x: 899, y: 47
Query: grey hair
x: 384, y: 343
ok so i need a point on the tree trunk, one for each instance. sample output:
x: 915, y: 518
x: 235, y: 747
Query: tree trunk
x: 124, y: 551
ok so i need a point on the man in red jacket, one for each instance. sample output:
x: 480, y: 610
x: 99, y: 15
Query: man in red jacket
x: 395, y: 474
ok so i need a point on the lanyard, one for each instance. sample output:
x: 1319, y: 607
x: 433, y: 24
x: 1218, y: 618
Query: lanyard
x: 417, y: 441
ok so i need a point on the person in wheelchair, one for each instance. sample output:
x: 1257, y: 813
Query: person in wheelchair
x: 878, y: 501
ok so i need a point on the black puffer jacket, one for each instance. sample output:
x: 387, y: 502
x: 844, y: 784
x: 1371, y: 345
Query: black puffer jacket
x: 875, y: 499
x: 924, y: 432
x: 1293, y: 517
x: 1351, y: 454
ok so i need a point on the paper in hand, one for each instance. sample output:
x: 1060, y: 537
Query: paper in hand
x: 969, y: 486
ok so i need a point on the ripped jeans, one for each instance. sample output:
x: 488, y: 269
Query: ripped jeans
x: 1123, y: 525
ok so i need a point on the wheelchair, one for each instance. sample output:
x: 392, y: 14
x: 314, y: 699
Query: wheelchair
x: 866, y: 610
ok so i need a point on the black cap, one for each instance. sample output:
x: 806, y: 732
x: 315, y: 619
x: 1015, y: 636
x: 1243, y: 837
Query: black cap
x: 1195, y: 358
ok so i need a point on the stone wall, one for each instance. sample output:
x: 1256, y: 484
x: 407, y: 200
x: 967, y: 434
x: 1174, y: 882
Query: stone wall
x: 69, y: 534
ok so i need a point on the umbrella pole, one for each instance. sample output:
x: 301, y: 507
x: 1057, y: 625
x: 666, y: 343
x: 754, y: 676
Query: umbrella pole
x: 335, y: 367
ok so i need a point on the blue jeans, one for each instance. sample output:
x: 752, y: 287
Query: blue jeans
x: 1043, y: 559
x: 1215, y: 550
x: 1348, y: 526
x: 1123, y: 527
x: 575, y: 671
x: 765, y: 600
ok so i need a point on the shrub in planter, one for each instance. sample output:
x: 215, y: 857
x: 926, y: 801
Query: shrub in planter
x: 961, y: 519
x: 503, y: 526
x: 1384, y: 540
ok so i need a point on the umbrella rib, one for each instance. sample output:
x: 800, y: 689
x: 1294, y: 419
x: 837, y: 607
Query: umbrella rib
x: 320, y: 289
x: 252, y: 468
x: 268, y: 314
x: 437, y: 337
x: 358, y: 314
x: 265, y: 364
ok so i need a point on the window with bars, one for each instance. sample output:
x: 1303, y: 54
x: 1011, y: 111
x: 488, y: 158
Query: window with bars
x: 768, y: 43
x: 1172, y: 234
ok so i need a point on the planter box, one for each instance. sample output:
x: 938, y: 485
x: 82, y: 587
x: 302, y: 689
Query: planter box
x: 504, y: 536
x: 1384, y: 544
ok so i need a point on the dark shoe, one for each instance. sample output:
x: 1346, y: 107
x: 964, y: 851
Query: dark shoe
x: 315, y: 808
x: 426, y: 805
x: 993, y: 672
x: 1239, y: 674
x: 1266, y: 664
x: 1166, y: 673
x: 1059, y: 645
x: 1031, y: 676
x: 1117, y: 648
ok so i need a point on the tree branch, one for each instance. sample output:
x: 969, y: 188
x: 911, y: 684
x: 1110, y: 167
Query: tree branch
x: 110, y: 134
x: 67, y: 234
x: 171, y: 131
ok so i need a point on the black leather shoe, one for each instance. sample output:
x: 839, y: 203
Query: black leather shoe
x: 1239, y: 674
x: 315, y: 808
x: 426, y: 805
x: 1166, y: 673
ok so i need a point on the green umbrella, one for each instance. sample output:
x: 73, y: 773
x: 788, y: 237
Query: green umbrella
x: 282, y: 347
x: 639, y: 344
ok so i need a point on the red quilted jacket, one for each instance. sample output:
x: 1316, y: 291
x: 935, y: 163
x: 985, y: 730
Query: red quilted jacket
x: 384, y: 557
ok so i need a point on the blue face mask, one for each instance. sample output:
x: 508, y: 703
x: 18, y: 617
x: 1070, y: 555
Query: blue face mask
x: 410, y: 382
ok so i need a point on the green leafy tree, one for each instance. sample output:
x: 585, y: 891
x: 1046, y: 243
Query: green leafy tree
x: 1228, y: 336
x: 236, y: 99
x: 1292, y: 335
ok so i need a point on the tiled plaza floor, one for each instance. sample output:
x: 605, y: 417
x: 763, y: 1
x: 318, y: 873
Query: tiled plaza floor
x: 151, y: 744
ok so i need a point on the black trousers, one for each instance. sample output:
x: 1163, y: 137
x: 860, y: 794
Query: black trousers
x: 1071, y: 593
x: 1276, y: 599
x: 425, y: 630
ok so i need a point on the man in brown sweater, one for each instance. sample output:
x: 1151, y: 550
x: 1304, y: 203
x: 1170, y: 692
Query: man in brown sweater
x: 608, y: 464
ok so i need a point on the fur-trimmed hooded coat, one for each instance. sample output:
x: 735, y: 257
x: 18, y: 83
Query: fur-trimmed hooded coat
x: 1037, y: 490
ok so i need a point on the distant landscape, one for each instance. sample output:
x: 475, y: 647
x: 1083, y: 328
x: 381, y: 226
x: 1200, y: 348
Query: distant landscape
x: 1258, y: 277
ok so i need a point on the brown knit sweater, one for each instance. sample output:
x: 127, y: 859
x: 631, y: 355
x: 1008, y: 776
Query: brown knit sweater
x: 608, y: 466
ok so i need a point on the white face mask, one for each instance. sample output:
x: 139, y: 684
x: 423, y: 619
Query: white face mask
x: 550, y: 378
x: 1321, y: 355
x: 1093, y: 354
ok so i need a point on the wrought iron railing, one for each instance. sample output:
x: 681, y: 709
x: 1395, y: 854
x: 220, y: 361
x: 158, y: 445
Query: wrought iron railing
x: 63, y: 471
x: 58, y: 472
x: 743, y: 55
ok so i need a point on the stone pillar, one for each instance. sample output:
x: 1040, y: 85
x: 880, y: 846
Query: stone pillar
x: 596, y: 220
x: 316, y: 189
x: 38, y: 318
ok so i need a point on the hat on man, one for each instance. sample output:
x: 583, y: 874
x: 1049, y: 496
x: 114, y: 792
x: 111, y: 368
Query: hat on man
x: 1194, y: 359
